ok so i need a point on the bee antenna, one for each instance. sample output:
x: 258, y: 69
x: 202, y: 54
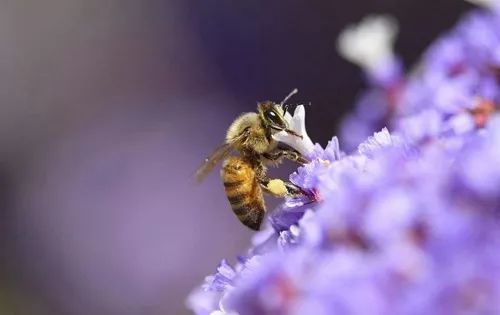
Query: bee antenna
x: 295, y: 91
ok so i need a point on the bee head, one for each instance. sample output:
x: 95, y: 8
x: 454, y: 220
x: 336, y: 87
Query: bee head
x: 272, y: 115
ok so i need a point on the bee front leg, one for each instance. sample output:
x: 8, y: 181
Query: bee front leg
x: 279, y: 154
x: 295, y: 156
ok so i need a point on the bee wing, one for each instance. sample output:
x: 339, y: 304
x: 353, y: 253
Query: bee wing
x: 210, y: 162
x: 218, y: 155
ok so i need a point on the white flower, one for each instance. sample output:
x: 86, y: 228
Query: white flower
x: 369, y: 43
x: 297, y: 123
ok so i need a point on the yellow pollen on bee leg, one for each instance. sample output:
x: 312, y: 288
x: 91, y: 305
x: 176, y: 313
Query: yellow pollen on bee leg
x: 277, y: 187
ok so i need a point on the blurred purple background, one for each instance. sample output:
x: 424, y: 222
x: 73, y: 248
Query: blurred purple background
x: 108, y: 107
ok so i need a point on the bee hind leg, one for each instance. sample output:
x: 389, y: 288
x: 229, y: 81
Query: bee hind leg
x: 280, y: 188
x: 293, y: 190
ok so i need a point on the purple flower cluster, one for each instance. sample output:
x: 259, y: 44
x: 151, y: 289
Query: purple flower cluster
x: 409, y: 222
x: 451, y: 90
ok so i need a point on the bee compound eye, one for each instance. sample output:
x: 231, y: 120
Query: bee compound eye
x: 273, y: 117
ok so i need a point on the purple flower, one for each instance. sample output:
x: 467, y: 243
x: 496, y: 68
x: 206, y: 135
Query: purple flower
x: 372, y: 112
x: 287, y: 214
x: 222, y: 279
x: 459, y: 69
x: 407, y: 224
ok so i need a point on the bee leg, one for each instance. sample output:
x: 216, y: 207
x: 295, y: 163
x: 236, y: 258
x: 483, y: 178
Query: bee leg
x: 293, y: 190
x: 279, y: 188
x: 279, y: 154
x: 295, y: 156
x: 275, y: 157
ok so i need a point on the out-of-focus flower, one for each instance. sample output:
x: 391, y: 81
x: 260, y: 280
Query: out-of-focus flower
x: 458, y: 73
x: 222, y: 279
x: 406, y: 224
x: 369, y: 43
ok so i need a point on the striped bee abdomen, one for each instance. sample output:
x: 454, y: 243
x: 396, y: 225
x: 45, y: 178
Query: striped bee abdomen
x: 243, y: 191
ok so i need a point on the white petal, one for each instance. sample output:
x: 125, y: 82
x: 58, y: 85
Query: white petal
x: 369, y: 43
x: 297, y: 124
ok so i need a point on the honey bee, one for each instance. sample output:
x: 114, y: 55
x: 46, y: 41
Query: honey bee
x: 244, y: 176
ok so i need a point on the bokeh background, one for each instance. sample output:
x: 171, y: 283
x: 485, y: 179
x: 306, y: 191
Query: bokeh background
x: 108, y: 106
